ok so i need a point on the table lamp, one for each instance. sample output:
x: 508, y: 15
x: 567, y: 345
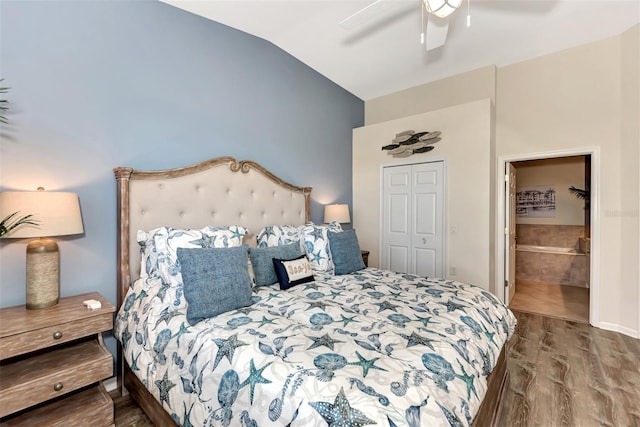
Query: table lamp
x: 56, y: 214
x: 338, y: 213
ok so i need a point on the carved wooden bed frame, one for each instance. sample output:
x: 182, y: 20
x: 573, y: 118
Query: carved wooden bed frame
x: 220, y: 191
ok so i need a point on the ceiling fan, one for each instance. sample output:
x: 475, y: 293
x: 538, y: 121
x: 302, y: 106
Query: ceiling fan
x: 435, y: 19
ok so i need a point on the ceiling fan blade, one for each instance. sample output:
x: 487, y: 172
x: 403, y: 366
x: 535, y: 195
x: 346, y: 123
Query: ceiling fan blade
x: 365, y: 14
x: 437, y: 29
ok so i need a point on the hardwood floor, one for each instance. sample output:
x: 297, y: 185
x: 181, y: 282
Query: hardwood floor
x: 566, y: 373
x: 562, y: 301
x: 128, y: 413
x: 563, y: 373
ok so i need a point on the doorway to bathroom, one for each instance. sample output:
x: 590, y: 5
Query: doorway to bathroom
x: 552, y: 237
x: 548, y: 265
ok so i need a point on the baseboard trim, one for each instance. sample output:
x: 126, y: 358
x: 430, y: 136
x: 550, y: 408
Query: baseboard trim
x: 617, y: 328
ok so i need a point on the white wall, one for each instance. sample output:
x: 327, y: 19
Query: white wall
x: 466, y: 148
x: 455, y: 90
x: 587, y: 96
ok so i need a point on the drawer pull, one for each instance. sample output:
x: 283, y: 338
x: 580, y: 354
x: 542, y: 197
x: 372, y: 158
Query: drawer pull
x: 57, y: 335
x: 57, y: 386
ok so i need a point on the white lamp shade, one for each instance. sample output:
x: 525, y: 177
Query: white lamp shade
x: 442, y: 8
x: 338, y: 213
x: 57, y: 213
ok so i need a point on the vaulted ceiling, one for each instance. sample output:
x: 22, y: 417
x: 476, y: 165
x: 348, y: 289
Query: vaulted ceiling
x: 382, y: 53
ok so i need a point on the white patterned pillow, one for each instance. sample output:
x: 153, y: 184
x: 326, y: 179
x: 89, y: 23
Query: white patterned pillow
x: 148, y: 250
x: 316, y: 245
x: 160, y: 258
x: 226, y: 237
x: 278, y: 235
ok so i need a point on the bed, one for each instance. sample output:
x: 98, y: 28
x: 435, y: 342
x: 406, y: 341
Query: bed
x: 368, y: 347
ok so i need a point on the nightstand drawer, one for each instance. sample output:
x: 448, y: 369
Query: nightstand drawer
x: 29, y: 381
x: 90, y: 407
x: 14, y: 345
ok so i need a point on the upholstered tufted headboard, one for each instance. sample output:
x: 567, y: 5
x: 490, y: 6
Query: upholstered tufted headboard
x: 221, y: 191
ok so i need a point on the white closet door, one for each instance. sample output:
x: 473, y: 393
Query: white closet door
x: 396, y: 220
x: 413, y: 219
x: 428, y: 230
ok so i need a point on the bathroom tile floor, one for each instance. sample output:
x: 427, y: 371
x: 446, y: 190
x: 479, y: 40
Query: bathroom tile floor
x: 547, y: 299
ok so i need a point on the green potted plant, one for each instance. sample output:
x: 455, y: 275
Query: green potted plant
x: 3, y: 103
x: 580, y: 194
x: 11, y: 221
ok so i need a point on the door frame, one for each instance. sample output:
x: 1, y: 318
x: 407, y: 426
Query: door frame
x: 445, y: 201
x: 510, y: 225
x: 594, y: 271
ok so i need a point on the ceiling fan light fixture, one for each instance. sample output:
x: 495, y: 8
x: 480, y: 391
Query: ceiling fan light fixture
x: 442, y: 8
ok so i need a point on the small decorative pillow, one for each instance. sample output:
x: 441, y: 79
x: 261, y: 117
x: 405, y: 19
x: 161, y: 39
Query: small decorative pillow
x: 293, y: 272
x: 216, y: 280
x: 261, y: 260
x: 278, y: 235
x: 316, y: 246
x: 345, y: 252
x: 167, y: 243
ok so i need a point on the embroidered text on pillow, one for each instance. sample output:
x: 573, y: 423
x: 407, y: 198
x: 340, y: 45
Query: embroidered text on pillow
x: 298, y: 269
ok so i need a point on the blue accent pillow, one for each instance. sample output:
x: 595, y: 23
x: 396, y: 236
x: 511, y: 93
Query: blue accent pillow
x: 345, y: 252
x: 261, y: 260
x: 292, y: 272
x: 215, y: 280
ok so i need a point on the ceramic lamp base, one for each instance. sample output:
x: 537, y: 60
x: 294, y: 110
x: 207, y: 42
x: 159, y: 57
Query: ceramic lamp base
x: 43, y: 274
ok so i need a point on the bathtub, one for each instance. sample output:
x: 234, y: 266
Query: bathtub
x: 549, y: 264
x: 547, y: 249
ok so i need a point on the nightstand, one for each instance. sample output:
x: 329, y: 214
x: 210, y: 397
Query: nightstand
x: 52, y: 363
x: 365, y: 258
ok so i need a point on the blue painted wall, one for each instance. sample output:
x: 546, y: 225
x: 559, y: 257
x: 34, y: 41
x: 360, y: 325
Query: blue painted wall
x: 99, y: 84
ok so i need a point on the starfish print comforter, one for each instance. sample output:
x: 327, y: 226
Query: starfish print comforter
x: 368, y: 348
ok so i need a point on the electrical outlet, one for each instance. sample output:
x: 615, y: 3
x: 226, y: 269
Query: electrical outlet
x: 452, y: 270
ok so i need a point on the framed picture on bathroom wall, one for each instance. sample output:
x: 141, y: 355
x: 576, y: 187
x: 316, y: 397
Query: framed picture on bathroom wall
x: 536, y: 201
